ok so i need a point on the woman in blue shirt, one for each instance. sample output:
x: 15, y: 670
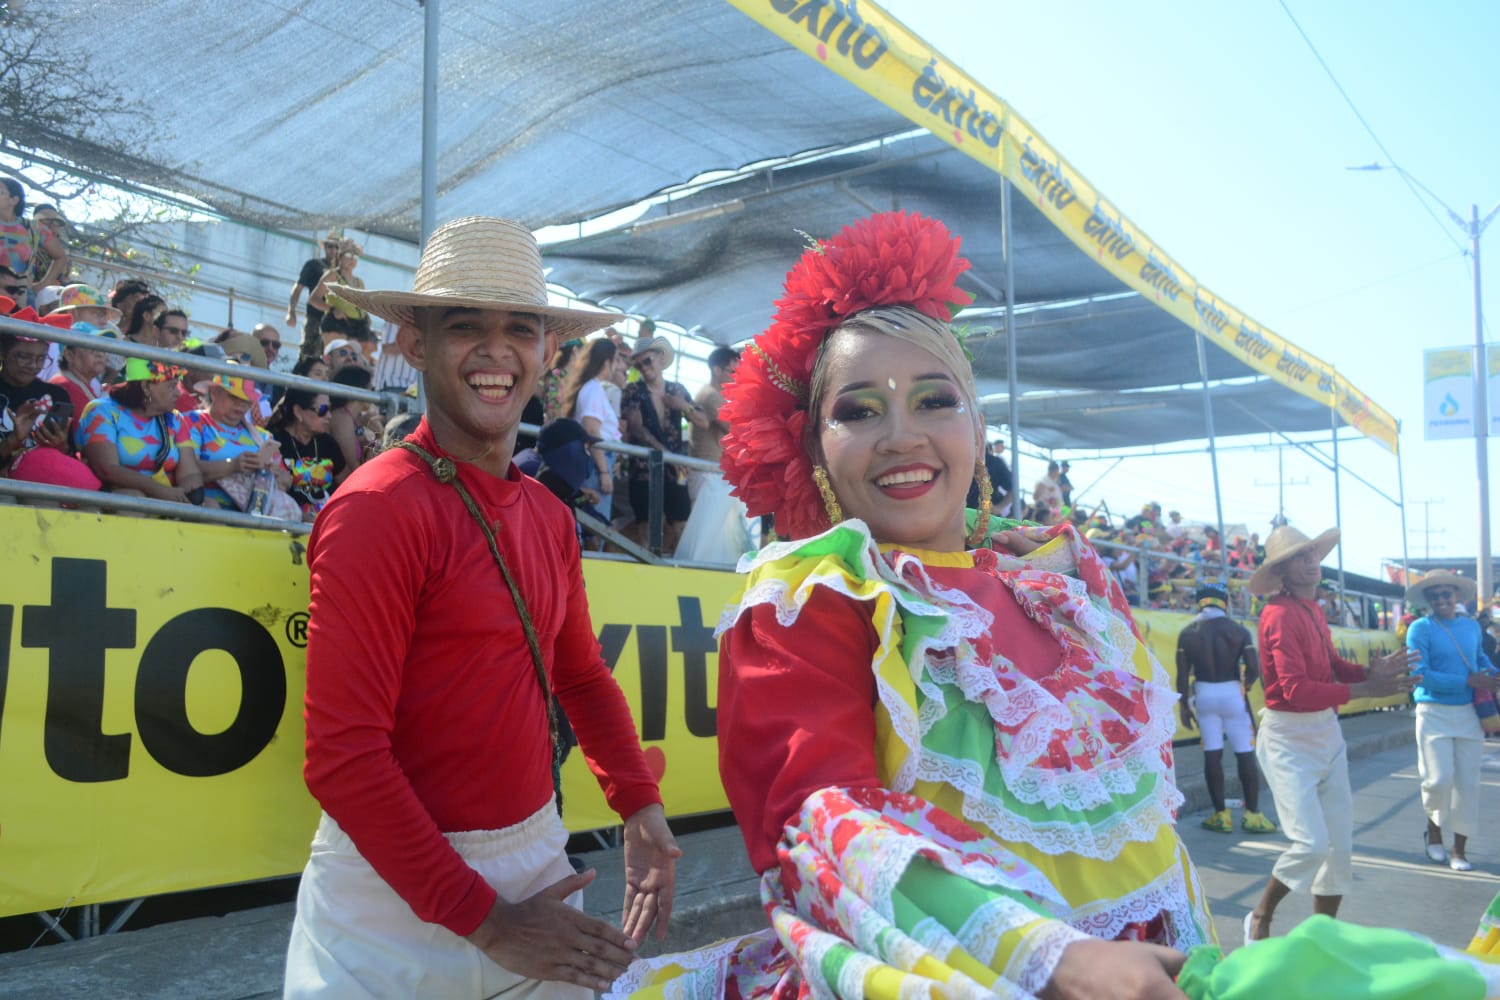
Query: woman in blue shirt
x: 1450, y: 742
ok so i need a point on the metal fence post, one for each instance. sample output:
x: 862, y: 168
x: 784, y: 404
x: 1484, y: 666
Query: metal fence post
x: 655, y: 469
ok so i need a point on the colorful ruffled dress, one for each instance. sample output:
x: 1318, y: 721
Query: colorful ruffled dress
x: 947, y: 767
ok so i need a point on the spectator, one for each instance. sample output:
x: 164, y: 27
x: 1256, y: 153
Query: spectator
x: 341, y: 273
x: 34, y: 417
x: 1174, y: 526
x: 141, y: 326
x: 48, y: 271
x: 269, y: 340
x: 340, y: 353
x: 171, y: 329
x: 299, y: 422
x: 313, y: 368
x: 652, y: 410
x: 189, y: 401
x: 47, y: 299
x: 1000, y: 481
x: 82, y: 303
x: 231, y: 450
x: 584, y: 399
x: 309, y: 278
x: 241, y: 347
x: 554, y: 379
x: 136, y: 443
x: 80, y: 371
x: 354, y: 423
x: 126, y: 293
x: 1450, y: 739
x: 1046, y: 497
x: 722, y: 361
x: 21, y: 240
x: 1146, y: 520
x: 1065, y: 485
x: 564, y: 447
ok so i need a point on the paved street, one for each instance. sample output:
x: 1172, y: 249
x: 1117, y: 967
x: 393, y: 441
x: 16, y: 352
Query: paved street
x: 1394, y: 883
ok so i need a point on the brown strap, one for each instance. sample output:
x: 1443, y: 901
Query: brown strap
x: 446, y: 471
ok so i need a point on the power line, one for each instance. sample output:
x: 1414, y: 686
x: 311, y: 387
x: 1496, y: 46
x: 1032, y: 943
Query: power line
x: 1391, y: 159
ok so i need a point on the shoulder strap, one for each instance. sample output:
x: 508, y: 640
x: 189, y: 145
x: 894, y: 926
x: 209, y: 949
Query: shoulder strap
x: 445, y: 471
x: 1454, y: 639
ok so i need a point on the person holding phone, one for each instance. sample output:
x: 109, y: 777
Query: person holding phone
x: 34, y: 417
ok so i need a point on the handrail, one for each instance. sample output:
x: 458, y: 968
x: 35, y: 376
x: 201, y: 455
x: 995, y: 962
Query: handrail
x: 392, y: 401
x: 110, y: 502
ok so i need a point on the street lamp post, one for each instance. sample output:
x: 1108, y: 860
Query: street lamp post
x: 1473, y: 228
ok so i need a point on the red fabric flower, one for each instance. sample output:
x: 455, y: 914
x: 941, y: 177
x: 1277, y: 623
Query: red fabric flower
x: 894, y: 258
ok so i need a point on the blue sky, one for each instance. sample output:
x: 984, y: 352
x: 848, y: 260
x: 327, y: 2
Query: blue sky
x: 1215, y: 129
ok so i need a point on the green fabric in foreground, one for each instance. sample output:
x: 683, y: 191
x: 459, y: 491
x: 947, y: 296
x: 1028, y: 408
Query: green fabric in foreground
x: 1326, y: 959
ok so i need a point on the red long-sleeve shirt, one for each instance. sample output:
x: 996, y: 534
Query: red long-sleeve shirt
x: 424, y: 713
x: 1300, y: 669
x: 797, y: 704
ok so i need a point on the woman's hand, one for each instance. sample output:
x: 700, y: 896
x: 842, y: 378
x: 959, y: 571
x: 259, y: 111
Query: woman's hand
x: 248, y: 461
x: 1021, y: 541
x: 49, y: 435
x: 1115, y: 970
x: 1484, y: 682
x: 27, y: 416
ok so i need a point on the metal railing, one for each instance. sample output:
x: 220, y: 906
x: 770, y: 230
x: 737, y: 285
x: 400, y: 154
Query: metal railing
x: 390, y: 403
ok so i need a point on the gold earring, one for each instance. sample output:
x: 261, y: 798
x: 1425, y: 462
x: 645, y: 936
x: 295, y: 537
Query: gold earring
x: 825, y: 490
x: 986, y: 504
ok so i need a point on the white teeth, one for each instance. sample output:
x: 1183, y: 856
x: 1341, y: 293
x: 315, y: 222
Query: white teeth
x: 483, y: 378
x: 909, y: 476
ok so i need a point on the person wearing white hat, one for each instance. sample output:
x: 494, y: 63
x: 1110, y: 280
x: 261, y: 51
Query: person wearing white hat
x: 447, y: 610
x: 1450, y: 741
x: 1301, y: 745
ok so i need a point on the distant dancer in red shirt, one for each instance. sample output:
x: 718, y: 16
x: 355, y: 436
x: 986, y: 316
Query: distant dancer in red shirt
x: 1301, y: 746
x: 447, y: 607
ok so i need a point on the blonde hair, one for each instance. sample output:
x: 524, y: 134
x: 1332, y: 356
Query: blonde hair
x: 904, y: 323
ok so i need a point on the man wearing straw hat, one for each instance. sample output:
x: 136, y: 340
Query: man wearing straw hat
x: 1301, y: 746
x: 1450, y: 739
x: 447, y: 608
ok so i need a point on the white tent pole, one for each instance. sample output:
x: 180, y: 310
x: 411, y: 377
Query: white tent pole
x: 429, y: 116
x: 1338, y: 504
x: 1014, y: 403
x: 1213, y: 452
x: 1401, y: 492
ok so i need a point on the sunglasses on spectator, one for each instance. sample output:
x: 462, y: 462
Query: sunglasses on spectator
x: 321, y: 409
x: 646, y: 362
x: 12, y: 289
x: 271, y: 345
x: 1442, y: 595
x: 170, y: 328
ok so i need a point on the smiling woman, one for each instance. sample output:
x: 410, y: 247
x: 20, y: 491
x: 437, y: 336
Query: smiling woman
x: 922, y: 724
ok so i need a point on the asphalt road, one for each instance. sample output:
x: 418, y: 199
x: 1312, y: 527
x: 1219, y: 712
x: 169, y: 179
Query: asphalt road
x: 1394, y: 883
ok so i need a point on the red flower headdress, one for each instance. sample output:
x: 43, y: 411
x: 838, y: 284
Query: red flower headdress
x: 890, y: 259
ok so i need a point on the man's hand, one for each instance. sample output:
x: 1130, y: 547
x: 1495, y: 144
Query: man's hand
x: 544, y: 938
x: 291, y: 318
x: 1115, y: 970
x: 651, y: 854
x: 1387, y: 675
x: 1021, y: 541
x: 1484, y: 682
x: 1186, y: 710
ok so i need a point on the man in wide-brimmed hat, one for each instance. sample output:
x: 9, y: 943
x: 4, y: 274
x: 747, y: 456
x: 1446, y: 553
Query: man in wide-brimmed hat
x: 1209, y: 654
x: 447, y: 608
x: 1301, y: 746
x: 1450, y: 739
x: 652, y: 410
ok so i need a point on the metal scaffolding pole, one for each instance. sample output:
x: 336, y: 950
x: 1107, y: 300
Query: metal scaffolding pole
x: 1014, y: 403
x: 1213, y: 451
x: 1401, y: 492
x: 1338, y: 506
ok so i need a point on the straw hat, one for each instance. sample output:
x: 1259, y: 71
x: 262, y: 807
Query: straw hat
x: 661, y: 345
x: 1417, y: 593
x: 479, y: 263
x: 1286, y: 543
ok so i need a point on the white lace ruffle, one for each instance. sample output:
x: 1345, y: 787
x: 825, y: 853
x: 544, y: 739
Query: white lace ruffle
x: 1032, y: 963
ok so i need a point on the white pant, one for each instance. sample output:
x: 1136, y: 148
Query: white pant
x: 1450, y: 749
x: 353, y: 937
x: 1221, y: 711
x: 1307, y: 771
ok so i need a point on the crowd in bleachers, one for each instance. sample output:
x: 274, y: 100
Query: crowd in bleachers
x: 91, y: 418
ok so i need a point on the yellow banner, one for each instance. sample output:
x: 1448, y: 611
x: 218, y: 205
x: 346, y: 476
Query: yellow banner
x: 151, y: 684
x: 881, y: 56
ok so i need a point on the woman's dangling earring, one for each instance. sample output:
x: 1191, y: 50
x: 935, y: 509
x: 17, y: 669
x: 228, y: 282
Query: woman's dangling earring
x: 986, y: 504
x: 825, y: 490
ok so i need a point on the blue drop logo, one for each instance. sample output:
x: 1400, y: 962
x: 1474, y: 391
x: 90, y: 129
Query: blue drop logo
x: 1449, y: 405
